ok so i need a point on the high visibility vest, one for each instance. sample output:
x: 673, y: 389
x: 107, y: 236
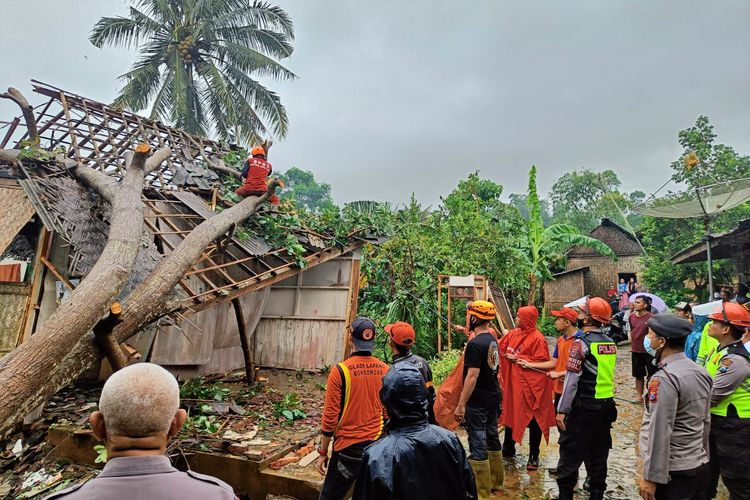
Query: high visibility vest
x: 740, y: 398
x: 707, y: 345
x: 598, y: 373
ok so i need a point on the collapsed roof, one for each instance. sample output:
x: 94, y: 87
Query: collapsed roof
x: 97, y: 135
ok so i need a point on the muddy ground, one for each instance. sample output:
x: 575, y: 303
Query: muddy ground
x: 624, y: 466
x: 264, y: 406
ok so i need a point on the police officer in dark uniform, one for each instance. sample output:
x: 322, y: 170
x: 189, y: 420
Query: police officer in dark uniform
x: 729, y: 438
x: 138, y: 414
x: 587, y: 409
x: 674, y: 432
x: 403, y: 336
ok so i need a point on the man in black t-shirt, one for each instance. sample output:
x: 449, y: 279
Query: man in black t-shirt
x: 479, y: 405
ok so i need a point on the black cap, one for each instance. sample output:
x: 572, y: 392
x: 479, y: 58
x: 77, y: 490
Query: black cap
x: 670, y: 326
x: 363, y: 334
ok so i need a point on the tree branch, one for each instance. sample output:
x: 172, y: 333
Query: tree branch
x: 9, y: 155
x: 219, y: 166
x: 26, y: 371
x: 156, y: 159
x: 28, y: 112
x: 100, y: 182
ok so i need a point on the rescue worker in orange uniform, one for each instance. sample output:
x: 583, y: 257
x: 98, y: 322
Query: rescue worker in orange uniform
x: 352, y: 411
x: 255, y: 174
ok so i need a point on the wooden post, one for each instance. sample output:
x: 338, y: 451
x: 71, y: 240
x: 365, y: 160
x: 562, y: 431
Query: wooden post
x: 449, y: 316
x: 103, y: 334
x: 353, y: 305
x: 440, y: 313
x: 57, y: 273
x: 244, y: 341
x: 37, y: 284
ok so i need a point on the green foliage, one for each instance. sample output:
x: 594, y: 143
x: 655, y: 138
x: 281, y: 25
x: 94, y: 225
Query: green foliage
x: 581, y: 198
x: 199, y: 62
x: 201, y: 424
x: 520, y: 201
x: 302, y: 188
x: 101, y: 454
x: 288, y: 408
x: 662, y: 238
x: 546, y: 325
x: 471, y: 232
x: 196, y: 388
x: 443, y: 364
x: 545, y: 245
x: 717, y: 162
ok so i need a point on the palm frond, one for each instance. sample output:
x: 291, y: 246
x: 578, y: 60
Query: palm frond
x: 261, y: 15
x: 116, y: 32
x: 252, y: 61
x: 163, y: 99
x: 265, y: 102
x: 140, y: 84
x: 247, y: 122
x: 218, y: 99
x: 264, y: 41
x: 164, y: 11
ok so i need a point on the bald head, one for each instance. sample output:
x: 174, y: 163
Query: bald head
x: 140, y: 400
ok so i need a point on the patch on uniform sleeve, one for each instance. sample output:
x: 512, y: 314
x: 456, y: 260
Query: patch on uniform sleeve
x: 653, y: 390
x: 575, y: 361
x: 724, y: 365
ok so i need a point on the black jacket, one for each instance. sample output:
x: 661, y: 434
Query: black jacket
x: 416, y: 460
x: 424, y: 368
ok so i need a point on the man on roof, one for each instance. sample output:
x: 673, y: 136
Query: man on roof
x: 255, y: 174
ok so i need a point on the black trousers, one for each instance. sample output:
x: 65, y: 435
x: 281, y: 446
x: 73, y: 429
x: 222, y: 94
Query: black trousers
x: 342, y: 471
x: 535, y: 438
x: 586, y: 438
x: 481, y: 428
x: 685, y: 485
x: 729, y: 451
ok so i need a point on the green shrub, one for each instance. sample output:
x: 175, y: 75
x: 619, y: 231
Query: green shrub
x: 546, y: 325
x: 443, y: 364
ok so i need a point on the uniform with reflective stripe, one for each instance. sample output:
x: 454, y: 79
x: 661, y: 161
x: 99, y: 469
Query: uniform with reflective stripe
x: 718, y: 363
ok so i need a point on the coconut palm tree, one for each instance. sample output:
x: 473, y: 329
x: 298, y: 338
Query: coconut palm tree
x: 198, y: 63
x: 544, y: 245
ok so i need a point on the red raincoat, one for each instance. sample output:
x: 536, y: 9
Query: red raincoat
x: 527, y: 393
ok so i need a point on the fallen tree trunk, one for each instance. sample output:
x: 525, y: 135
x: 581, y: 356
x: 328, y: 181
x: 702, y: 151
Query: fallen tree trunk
x: 149, y: 301
x: 31, y: 364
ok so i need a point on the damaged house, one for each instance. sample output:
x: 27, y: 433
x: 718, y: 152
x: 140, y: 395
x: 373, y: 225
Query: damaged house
x: 53, y: 229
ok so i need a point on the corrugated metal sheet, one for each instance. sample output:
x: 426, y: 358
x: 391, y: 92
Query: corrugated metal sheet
x: 13, y: 299
x: 254, y: 245
x: 15, y: 211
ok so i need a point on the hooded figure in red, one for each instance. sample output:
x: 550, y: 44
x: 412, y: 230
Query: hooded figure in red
x: 527, y: 394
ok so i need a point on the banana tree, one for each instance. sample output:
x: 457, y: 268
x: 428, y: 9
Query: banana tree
x: 546, y: 244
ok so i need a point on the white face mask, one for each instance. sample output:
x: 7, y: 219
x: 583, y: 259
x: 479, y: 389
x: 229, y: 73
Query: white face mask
x: 649, y: 349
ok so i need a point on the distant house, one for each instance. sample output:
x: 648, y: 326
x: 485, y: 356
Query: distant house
x: 589, y: 273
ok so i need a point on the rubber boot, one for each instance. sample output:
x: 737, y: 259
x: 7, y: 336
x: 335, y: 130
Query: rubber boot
x: 497, y: 470
x: 482, y: 478
x: 565, y: 493
x: 596, y: 494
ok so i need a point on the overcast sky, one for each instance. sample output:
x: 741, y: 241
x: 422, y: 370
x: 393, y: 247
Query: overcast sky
x: 396, y: 96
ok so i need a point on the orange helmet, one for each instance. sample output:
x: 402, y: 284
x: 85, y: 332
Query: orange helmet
x: 733, y: 314
x: 598, y: 309
x: 258, y: 150
x: 482, y: 309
